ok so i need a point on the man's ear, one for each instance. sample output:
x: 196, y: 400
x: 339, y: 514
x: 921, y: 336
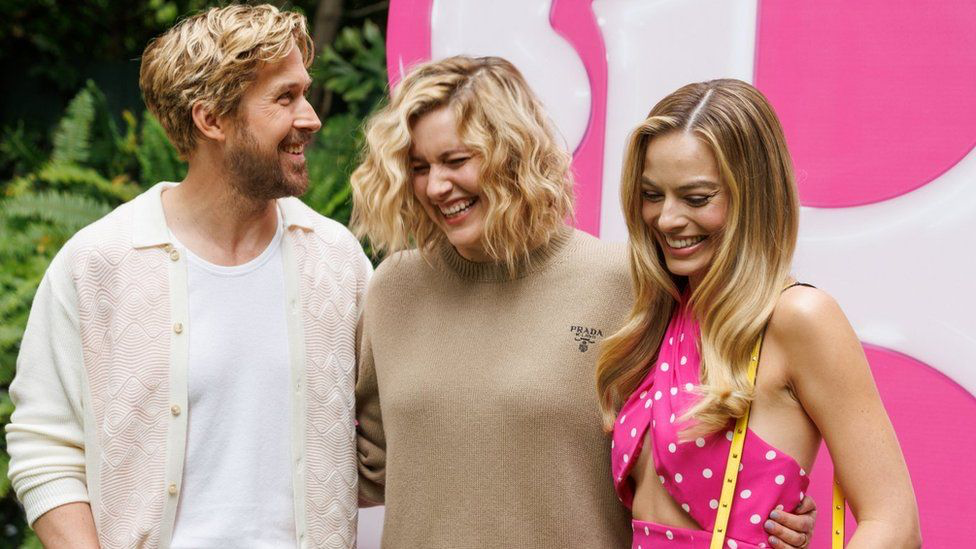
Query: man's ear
x: 207, y: 123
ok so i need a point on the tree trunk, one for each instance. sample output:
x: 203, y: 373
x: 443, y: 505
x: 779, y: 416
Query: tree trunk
x: 324, y: 29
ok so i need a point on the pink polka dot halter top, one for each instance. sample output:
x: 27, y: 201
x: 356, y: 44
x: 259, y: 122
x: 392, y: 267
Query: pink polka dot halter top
x: 692, y: 471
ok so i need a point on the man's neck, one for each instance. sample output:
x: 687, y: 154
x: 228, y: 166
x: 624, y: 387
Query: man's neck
x: 211, y: 218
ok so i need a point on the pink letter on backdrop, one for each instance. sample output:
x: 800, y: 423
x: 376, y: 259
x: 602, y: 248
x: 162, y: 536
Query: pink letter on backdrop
x: 574, y: 21
x: 876, y: 97
x: 407, y: 36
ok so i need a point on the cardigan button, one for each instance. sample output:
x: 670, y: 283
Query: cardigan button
x: 178, y: 327
x: 174, y: 255
x: 172, y: 489
x: 175, y: 409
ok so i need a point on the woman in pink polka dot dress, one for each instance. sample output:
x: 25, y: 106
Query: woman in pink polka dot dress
x: 711, y: 208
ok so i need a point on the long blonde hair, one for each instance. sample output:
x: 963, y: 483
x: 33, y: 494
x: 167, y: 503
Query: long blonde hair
x: 525, y: 175
x: 736, y: 297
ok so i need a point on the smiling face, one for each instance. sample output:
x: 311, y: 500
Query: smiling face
x: 684, y: 202
x: 273, y: 124
x: 445, y: 176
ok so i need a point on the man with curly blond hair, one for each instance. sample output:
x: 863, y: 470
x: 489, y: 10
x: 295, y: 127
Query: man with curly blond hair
x: 186, y: 377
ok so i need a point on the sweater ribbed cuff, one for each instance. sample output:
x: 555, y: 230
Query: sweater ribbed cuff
x: 54, y: 493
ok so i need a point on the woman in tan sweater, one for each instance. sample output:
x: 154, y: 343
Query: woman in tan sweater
x: 478, y: 419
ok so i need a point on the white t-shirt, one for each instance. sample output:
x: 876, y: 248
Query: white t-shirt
x: 237, y: 479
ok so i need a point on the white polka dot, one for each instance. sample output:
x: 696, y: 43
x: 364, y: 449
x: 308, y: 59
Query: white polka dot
x: 633, y: 432
x: 801, y: 495
x: 770, y: 455
x: 622, y: 418
x: 728, y: 435
x: 661, y: 478
x: 678, y: 477
x: 686, y: 507
x: 653, y: 423
x: 745, y: 494
x: 647, y: 531
x: 761, y: 544
x: 672, y: 448
x: 643, y: 394
x: 612, y: 444
x: 707, y: 473
x: 780, y: 507
x: 665, y: 366
x: 755, y: 519
x: 648, y: 403
x: 671, y: 340
x: 780, y: 479
x: 732, y: 544
x: 689, y: 387
x: 674, y: 391
x: 657, y: 395
x: 741, y: 466
x: 684, y: 360
x: 700, y: 442
x: 669, y: 534
x: 681, y: 337
x: 713, y: 504
x: 672, y: 419
x: 803, y: 473
x: 626, y: 458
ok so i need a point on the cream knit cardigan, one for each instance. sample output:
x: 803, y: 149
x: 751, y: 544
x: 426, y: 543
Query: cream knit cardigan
x: 101, y: 384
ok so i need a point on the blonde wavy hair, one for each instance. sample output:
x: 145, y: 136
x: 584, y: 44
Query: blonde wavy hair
x: 737, y: 295
x: 525, y: 176
x: 212, y: 57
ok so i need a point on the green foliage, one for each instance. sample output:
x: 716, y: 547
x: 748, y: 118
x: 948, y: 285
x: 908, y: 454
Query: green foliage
x: 20, y: 150
x: 158, y: 159
x: 354, y: 68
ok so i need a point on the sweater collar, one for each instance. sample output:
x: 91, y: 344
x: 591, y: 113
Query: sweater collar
x: 149, y: 221
x: 538, y: 259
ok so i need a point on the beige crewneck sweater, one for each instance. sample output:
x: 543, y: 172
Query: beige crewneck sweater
x: 479, y: 423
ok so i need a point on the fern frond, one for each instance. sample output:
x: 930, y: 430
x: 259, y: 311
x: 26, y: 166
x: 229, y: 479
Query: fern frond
x: 65, y: 176
x: 72, y: 138
x: 158, y: 158
x: 67, y: 211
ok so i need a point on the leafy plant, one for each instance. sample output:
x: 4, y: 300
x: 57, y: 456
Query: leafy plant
x: 354, y: 68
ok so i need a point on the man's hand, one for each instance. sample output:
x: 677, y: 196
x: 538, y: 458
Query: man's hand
x: 788, y: 530
x: 68, y: 526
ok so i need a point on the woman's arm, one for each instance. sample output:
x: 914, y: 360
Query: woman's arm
x: 370, y: 439
x: 830, y: 375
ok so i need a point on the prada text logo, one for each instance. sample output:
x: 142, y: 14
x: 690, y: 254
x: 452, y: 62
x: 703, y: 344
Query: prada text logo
x: 585, y: 336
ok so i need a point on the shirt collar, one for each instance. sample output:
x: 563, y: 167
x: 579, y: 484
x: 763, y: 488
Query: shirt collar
x: 149, y: 221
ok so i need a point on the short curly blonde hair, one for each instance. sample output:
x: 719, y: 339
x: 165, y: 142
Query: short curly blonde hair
x: 525, y: 175
x: 212, y: 57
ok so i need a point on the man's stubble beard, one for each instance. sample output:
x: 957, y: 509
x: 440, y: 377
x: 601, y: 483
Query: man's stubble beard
x: 256, y: 175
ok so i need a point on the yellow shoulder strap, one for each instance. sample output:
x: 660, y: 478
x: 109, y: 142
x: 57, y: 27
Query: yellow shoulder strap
x: 732, y: 474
